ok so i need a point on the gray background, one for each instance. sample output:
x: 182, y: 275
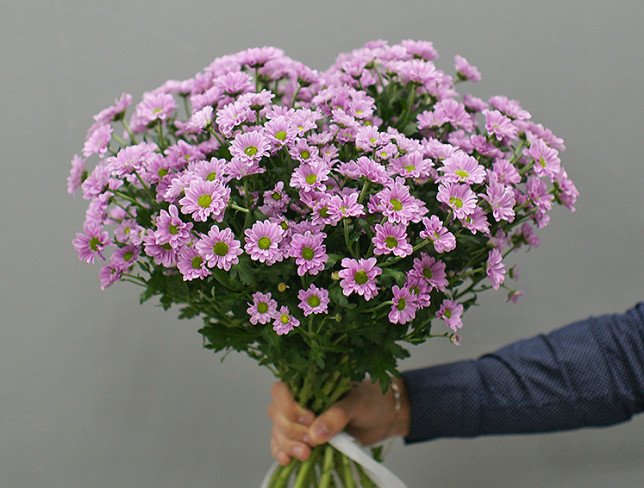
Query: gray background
x: 98, y: 391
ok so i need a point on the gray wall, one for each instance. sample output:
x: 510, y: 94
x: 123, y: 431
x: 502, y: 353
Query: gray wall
x: 97, y: 391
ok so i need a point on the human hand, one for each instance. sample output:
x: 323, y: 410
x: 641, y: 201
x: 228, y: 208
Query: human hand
x: 367, y: 414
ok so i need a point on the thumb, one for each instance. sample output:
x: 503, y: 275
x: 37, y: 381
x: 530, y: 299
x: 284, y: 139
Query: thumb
x: 331, y: 422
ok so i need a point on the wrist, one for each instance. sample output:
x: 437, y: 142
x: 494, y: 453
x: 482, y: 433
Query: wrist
x: 401, y: 406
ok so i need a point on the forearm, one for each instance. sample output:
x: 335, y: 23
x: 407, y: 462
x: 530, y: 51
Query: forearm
x: 589, y: 373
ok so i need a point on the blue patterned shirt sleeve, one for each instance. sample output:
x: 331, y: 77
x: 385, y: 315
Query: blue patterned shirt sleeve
x: 589, y: 373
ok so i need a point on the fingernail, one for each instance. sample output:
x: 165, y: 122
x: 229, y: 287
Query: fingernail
x: 321, y: 431
x: 306, y: 438
x: 304, y: 419
x: 298, y: 451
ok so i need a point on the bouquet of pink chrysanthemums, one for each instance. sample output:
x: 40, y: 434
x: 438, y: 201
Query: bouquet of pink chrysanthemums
x: 317, y: 221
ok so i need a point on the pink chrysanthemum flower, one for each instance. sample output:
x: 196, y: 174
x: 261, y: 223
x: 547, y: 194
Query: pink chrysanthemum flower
x: 263, y: 309
x: 97, y: 140
x: 359, y: 276
x: 504, y: 172
x: 77, y: 174
x: 155, y: 106
x: 310, y: 176
x: 280, y: 131
x: 131, y: 159
x: 546, y: 159
x: 368, y: 138
x: 391, y: 238
x: 473, y: 103
x: 219, y: 248
x: 441, y: 237
x: 125, y: 256
x: 262, y: 242
x: 212, y: 170
x: 309, y: 252
x: 451, y: 313
x: 431, y: 270
x: 275, y: 201
x: 162, y: 254
x: 404, y: 306
x: 171, y: 229
x: 114, y: 112
x: 501, y: 199
x: 537, y: 191
x: 509, y: 107
x: 232, y: 116
x: 109, y: 274
x: 411, y: 165
x: 191, y: 265
x: 495, y: 268
x: 250, y: 146
x: 420, y: 289
x: 568, y: 193
x: 234, y: 83
x: 205, y: 199
x: 465, y: 70
x: 372, y: 171
x: 397, y: 204
x: 284, y: 322
x: 313, y: 300
x: 129, y: 232
x: 200, y: 120
x: 345, y: 205
x: 90, y: 243
x: 460, y: 198
x: 497, y: 124
x: 476, y: 222
x: 462, y: 168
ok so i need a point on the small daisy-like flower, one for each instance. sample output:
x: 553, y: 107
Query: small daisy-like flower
x: 368, y: 138
x: 191, y: 265
x: 568, y: 193
x: 129, y: 232
x: 359, y: 276
x: 212, y: 170
x: 404, y: 306
x: 514, y: 295
x: 110, y: 274
x: 509, y: 107
x: 90, y: 243
x: 443, y: 239
x: 309, y: 252
x: 411, y: 165
x: 495, y: 268
x: 114, y: 112
x: 310, y: 176
x: 465, y: 70
x: 546, y: 159
x: 275, y: 200
x: 462, y: 168
x: 501, y: 199
x: 476, y: 222
x: 391, y: 238
x: 537, y: 191
x: 313, y: 300
x: 77, y: 174
x: 155, y: 106
x: 162, y: 254
x: 263, y: 240
x: 451, y: 313
x: 504, y: 172
x: 284, y: 322
x: 263, y: 308
x: 345, y: 205
x: 200, y: 120
x: 219, y: 248
x: 374, y: 172
x: 280, y: 131
x: 97, y: 140
x: 397, y: 204
x: 420, y: 289
x: 125, y: 256
x: 431, y: 270
x: 131, y: 159
x: 204, y: 199
x: 171, y: 229
x: 250, y: 146
x: 497, y: 124
x: 459, y: 197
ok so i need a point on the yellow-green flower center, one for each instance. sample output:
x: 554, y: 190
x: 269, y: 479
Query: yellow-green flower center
x: 162, y: 172
x: 166, y: 246
x: 212, y: 176
x: 360, y: 277
x: 391, y: 242
x: 427, y: 273
x: 305, y: 154
x: 542, y: 162
x: 448, y: 313
x: 372, y: 140
x: 250, y: 151
x: 264, y: 243
x: 196, y: 262
x: 313, y: 301
x: 277, y: 196
x: 402, y: 303
x: 323, y: 212
x: 204, y: 201
x: 127, y: 256
x: 461, y: 173
x: 307, y: 253
x: 173, y: 229
x: 220, y: 249
x: 312, y: 178
x: 410, y: 167
x: 396, y: 204
x: 93, y: 244
x: 457, y: 202
x: 284, y: 318
x: 281, y: 136
x: 262, y: 307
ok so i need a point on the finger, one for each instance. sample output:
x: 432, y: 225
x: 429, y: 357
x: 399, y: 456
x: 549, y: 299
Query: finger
x: 290, y: 430
x: 279, y: 456
x: 331, y: 422
x: 295, y: 449
x: 289, y: 408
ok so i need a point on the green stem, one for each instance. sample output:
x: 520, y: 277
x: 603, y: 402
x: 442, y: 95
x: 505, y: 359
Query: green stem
x: 410, y: 102
x: 119, y: 140
x: 363, y: 193
x: 237, y: 207
x: 417, y: 247
x: 162, y: 144
x: 212, y: 131
x: 285, y: 474
x: 327, y: 467
x: 365, y: 481
x: 303, y: 476
x: 345, y: 224
x: 145, y: 187
x: 347, y: 474
x: 128, y: 130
